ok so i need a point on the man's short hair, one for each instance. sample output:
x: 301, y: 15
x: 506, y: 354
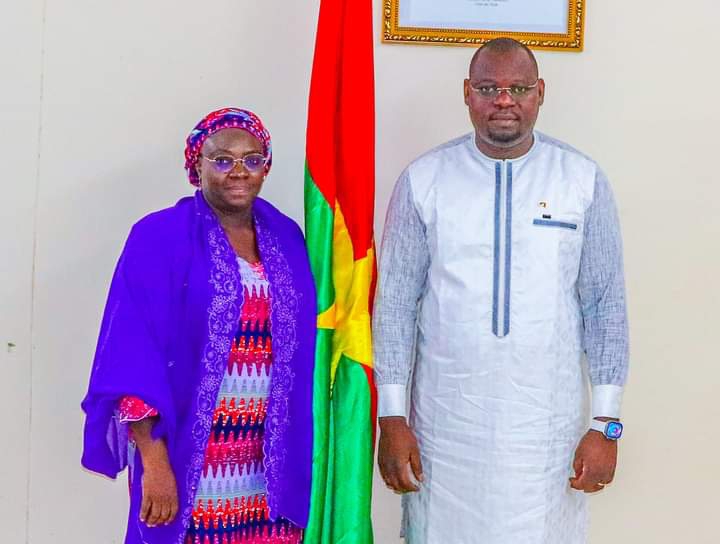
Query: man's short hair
x: 504, y: 45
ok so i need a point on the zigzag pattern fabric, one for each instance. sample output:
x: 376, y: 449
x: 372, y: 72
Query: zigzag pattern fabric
x: 231, y: 501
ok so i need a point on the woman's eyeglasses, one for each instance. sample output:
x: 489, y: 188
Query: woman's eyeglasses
x: 253, y: 162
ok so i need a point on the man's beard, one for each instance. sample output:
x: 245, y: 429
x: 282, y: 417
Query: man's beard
x: 504, y: 138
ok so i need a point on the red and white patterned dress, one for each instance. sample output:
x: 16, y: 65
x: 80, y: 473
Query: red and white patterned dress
x: 231, y: 503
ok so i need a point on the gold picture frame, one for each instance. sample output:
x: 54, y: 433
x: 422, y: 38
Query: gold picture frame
x: 572, y: 40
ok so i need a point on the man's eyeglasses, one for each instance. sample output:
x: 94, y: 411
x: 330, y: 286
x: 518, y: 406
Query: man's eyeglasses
x: 516, y: 92
x: 253, y: 162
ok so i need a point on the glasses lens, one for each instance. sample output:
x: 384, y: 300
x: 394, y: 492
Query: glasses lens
x: 254, y: 162
x: 487, y: 91
x: 224, y: 164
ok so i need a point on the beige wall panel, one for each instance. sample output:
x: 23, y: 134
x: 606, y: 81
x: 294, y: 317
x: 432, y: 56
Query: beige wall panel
x: 20, y: 59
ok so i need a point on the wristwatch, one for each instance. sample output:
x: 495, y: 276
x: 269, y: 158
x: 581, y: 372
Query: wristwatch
x: 612, y: 430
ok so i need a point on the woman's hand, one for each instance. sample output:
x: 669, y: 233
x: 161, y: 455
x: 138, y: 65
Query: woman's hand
x: 159, y: 489
x: 159, y: 493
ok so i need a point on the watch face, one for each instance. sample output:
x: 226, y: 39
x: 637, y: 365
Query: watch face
x: 613, y: 430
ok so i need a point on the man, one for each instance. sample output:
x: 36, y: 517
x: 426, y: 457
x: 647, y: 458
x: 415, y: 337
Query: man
x: 501, y: 268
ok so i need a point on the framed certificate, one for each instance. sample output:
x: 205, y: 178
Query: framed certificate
x: 540, y: 24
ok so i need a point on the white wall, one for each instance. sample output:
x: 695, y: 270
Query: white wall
x: 20, y: 87
x: 122, y: 83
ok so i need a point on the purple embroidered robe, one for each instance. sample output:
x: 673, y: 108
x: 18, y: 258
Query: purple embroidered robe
x: 173, y: 307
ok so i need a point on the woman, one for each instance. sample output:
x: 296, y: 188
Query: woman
x: 202, y: 380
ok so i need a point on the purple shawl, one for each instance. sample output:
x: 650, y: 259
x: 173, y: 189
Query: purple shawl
x: 173, y: 308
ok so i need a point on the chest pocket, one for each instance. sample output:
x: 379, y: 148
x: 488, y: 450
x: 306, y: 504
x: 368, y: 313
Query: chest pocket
x: 556, y: 224
x: 558, y: 237
x: 546, y: 262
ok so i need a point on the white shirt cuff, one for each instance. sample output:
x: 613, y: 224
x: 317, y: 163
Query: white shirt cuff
x: 606, y: 400
x: 391, y: 400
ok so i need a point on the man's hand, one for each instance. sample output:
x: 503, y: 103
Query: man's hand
x: 159, y: 490
x: 398, y: 452
x: 594, y: 464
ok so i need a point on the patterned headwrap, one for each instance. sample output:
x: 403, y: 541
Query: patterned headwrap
x: 217, y: 121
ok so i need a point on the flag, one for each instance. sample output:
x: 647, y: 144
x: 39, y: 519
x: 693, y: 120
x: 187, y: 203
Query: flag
x: 339, y: 208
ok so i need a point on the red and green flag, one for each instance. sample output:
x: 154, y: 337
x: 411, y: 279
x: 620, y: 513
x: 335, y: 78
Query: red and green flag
x: 339, y: 207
